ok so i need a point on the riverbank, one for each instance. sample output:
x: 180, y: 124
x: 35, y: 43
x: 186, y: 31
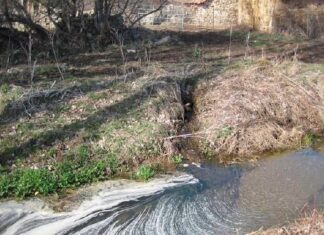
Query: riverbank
x: 204, y: 199
x: 260, y: 106
x: 311, y: 225
x: 104, y: 117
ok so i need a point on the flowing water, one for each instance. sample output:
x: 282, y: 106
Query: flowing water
x: 205, y: 200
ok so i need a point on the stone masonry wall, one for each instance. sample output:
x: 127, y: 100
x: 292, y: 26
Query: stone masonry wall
x: 217, y: 13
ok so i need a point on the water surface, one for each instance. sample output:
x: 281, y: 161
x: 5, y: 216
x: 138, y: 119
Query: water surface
x: 209, y: 199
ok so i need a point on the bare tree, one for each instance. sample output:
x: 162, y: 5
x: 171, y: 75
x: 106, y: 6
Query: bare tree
x: 69, y: 19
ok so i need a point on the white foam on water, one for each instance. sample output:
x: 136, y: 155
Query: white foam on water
x: 44, y: 222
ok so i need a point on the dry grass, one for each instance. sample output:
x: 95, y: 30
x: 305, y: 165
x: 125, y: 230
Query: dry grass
x: 260, y: 106
x: 312, y: 225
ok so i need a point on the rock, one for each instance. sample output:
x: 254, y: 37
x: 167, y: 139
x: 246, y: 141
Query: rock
x: 131, y: 51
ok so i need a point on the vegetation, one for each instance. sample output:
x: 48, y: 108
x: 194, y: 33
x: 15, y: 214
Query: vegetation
x: 72, y: 25
x: 77, y: 169
x: 177, y: 159
x: 145, y: 173
x: 308, y: 140
x: 69, y: 119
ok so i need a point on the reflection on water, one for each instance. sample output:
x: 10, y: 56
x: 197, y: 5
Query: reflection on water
x: 224, y: 200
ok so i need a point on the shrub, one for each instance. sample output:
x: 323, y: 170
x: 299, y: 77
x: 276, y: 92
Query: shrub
x: 308, y: 140
x: 91, y: 174
x: 177, y: 159
x: 66, y: 177
x: 4, y: 88
x: 145, y: 173
x: 196, y: 52
x: 112, y: 163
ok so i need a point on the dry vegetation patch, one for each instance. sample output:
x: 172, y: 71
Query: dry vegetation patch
x: 260, y: 106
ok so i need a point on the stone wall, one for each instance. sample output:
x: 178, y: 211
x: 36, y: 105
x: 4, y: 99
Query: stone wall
x: 212, y: 13
x: 221, y: 13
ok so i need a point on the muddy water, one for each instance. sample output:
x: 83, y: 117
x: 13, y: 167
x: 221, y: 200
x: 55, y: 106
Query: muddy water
x: 205, y: 200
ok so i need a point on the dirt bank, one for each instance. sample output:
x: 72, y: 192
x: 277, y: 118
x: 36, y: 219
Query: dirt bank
x: 312, y: 225
x: 260, y: 106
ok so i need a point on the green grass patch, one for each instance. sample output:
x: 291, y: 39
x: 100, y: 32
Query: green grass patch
x: 177, y: 159
x: 145, y: 173
x: 308, y: 140
x: 98, y: 95
x: 4, y: 89
x: 258, y: 39
x: 223, y: 132
x: 75, y: 171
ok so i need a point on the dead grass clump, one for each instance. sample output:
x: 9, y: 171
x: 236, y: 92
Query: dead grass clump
x: 312, y: 225
x: 258, y: 107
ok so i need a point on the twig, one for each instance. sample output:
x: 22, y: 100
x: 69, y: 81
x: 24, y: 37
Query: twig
x: 299, y: 86
x: 247, y: 49
x: 191, y: 135
x: 32, y: 73
x: 51, y: 37
x: 230, y: 45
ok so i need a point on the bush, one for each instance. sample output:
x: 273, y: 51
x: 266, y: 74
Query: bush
x: 145, y: 173
x: 308, y: 140
x: 90, y: 174
x: 4, y: 88
x: 177, y: 159
x: 4, y: 186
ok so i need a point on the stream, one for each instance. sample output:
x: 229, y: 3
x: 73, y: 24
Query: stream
x: 206, y: 199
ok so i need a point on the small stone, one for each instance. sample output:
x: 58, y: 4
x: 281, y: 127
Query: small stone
x: 196, y: 164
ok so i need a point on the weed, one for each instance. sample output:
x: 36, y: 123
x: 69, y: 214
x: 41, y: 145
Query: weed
x: 97, y: 96
x: 29, y: 182
x: 149, y: 149
x: 177, y: 159
x: 51, y: 152
x: 66, y: 175
x: 83, y: 152
x: 4, y: 89
x: 308, y: 140
x: 207, y: 149
x: 112, y: 163
x: 4, y: 186
x: 145, y: 173
x: 196, y: 53
x: 42, y: 70
x: 223, y: 133
x: 92, y: 173
x: 25, y: 127
x: 71, y: 173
